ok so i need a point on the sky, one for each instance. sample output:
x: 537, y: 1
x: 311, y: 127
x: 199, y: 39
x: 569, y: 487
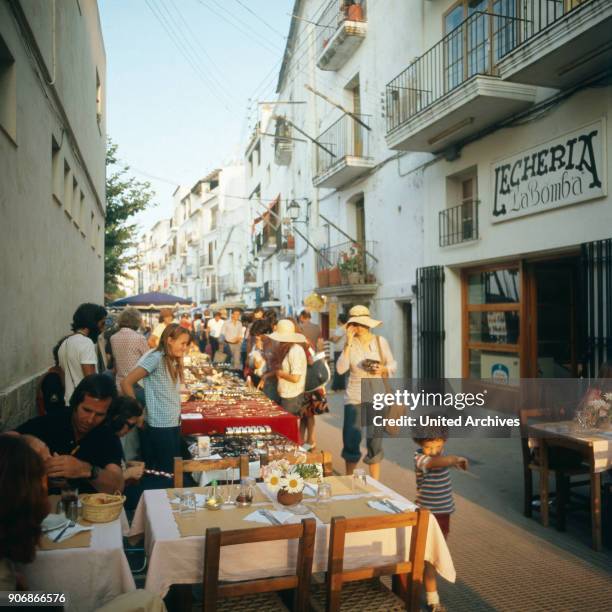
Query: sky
x: 179, y: 77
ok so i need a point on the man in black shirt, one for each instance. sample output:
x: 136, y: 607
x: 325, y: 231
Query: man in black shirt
x: 83, y: 449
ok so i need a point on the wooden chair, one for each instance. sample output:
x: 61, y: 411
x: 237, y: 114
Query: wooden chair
x: 532, y: 463
x: 324, y: 458
x: 366, y: 592
x: 258, y: 595
x: 193, y: 465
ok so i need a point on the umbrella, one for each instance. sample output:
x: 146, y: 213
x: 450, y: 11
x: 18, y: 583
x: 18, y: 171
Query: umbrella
x: 152, y: 301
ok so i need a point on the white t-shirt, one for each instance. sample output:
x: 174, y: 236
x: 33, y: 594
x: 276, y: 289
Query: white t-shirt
x: 75, y: 351
x: 214, y: 327
x: 294, y: 363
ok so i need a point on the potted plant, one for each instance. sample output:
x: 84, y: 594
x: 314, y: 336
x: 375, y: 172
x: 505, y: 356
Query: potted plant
x: 352, y: 265
x: 323, y: 277
x: 286, y: 481
x: 335, y: 277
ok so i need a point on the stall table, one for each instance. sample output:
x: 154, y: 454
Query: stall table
x: 214, y: 416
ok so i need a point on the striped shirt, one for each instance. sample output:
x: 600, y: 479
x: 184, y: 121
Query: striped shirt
x: 434, y: 487
x: 161, y: 393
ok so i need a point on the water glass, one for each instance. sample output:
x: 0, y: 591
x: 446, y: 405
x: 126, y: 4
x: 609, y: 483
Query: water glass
x: 69, y: 496
x: 188, y: 502
x: 324, y: 493
x: 71, y: 510
x: 359, y: 479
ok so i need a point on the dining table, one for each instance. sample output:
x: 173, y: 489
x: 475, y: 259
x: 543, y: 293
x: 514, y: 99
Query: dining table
x: 90, y: 570
x: 596, y: 447
x: 174, y: 544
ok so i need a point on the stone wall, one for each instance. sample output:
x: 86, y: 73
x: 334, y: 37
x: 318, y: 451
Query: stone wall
x: 18, y: 404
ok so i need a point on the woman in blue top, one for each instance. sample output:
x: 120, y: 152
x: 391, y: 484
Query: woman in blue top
x: 162, y: 371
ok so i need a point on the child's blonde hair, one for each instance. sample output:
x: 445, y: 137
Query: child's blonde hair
x: 174, y: 365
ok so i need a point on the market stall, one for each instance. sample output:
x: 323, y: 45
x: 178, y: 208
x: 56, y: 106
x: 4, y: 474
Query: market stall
x: 215, y: 399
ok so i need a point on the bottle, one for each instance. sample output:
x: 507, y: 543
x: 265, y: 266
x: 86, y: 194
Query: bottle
x: 215, y: 501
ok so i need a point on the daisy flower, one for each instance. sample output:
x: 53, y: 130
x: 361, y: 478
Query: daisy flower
x: 608, y: 396
x: 273, y: 480
x: 294, y: 483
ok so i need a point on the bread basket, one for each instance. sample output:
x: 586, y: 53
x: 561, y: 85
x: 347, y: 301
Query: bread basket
x: 102, y: 507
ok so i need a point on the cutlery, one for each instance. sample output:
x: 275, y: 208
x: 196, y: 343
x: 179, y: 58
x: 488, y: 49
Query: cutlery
x: 55, y: 528
x: 70, y: 525
x: 270, y: 517
x: 392, y: 506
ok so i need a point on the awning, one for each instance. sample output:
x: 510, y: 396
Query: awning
x: 266, y: 216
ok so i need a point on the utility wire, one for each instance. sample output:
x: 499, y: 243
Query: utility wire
x: 259, y: 18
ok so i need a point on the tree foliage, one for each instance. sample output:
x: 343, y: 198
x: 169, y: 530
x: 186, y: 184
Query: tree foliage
x: 125, y: 197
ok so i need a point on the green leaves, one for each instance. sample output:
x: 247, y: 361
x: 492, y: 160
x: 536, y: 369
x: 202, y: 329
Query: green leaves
x: 125, y: 197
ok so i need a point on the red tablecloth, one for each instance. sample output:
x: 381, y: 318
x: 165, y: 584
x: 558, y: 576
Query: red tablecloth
x: 214, y: 417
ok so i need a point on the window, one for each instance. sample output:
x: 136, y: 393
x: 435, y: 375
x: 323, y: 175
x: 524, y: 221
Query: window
x: 92, y: 230
x: 68, y: 188
x: 81, y: 213
x: 491, y: 318
x: 56, y: 172
x: 214, y: 211
x: 76, y: 202
x: 8, y: 92
x: 210, y: 253
x: 98, y: 98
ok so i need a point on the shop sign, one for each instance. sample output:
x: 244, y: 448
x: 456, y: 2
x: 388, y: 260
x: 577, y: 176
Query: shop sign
x: 563, y: 171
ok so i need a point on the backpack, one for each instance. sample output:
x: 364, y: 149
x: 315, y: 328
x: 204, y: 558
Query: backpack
x: 50, y: 391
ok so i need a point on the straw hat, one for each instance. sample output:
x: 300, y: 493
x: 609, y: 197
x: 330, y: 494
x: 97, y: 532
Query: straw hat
x: 285, y: 332
x: 361, y: 316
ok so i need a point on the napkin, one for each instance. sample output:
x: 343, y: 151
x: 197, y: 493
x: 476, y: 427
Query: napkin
x: 280, y: 515
x: 200, y: 500
x: 405, y: 506
x: 191, y: 416
x: 310, y: 489
x: 72, y: 531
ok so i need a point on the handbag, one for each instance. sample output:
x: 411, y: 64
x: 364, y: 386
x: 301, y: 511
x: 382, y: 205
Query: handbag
x: 318, y: 373
x: 395, y: 411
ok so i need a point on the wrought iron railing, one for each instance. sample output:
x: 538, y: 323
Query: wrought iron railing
x: 474, y: 47
x: 271, y: 290
x: 344, y: 138
x: 333, y: 16
x: 458, y: 224
x: 348, y: 263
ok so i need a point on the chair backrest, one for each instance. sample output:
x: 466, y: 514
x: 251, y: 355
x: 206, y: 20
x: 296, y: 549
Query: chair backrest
x: 300, y: 580
x: 524, y: 415
x: 413, y: 567
x: 323, y: 458
x: 192, y: 465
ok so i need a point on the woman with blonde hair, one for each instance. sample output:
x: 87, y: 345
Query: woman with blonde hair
x: 162, y: 373
x: 365, y: 355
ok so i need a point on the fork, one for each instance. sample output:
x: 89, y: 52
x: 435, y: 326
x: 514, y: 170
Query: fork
x: 392, y: 506
x: 70, y: 525
x: 270, y: 517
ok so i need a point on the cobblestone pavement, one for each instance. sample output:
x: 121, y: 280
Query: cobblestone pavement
x: 504, y: 561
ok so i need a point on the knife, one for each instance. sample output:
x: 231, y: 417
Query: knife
x: 391, y: 505
x: 70, y: 525
x: 270, y: 517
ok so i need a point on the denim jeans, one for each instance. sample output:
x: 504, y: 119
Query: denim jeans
x: 354, y: 421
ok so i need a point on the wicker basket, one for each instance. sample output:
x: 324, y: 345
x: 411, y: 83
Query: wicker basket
x: 102, y: 507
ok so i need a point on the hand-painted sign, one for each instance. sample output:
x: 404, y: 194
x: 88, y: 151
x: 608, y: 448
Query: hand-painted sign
x: 563, y: 171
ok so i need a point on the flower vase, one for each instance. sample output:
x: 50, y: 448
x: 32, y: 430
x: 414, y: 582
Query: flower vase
x: 289, y: 499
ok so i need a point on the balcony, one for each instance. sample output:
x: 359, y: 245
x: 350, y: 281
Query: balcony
x: 458, y: 224
x: 271, y: 291
x: 340, y: 34
x: 346, y: 157
x: 250, y: 277
x: 453, y: 91
x: 558, y: 43
x: 266, y: 242
x: 209, y: 294
x: 283, y: 143
x: 286, y: 246
x: 227, y: 285
x: 347, y: 269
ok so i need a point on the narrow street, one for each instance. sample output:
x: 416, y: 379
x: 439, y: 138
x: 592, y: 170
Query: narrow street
x: 504, y: 561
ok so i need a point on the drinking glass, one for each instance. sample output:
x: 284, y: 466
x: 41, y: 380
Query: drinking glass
x: 324, y: 493
x: 188, y: 502
x: 71, y: 510
x: 69, y: 495
x: 359, y: 478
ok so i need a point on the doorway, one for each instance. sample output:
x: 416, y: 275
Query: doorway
x: 554, y: 331
x: 407, y: 346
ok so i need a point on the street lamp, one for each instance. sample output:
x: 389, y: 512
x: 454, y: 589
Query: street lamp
x: 293, y: 210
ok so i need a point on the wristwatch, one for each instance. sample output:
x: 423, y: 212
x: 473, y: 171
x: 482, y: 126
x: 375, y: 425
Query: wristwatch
x: 95, y: 472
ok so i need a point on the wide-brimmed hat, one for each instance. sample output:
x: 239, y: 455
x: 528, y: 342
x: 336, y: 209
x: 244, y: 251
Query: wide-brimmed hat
x: 361, y: 316
x: 285, y: 332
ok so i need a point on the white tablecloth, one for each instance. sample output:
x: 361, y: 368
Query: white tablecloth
x: 91, y: 576
x: 176, y: 560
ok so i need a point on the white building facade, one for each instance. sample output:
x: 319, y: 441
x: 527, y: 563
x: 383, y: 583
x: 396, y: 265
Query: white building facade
x: 512, y: 100
x: 52, y: 185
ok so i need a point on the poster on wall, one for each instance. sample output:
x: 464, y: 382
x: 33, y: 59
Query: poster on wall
x: 501, y: 369
x: 567, y: 170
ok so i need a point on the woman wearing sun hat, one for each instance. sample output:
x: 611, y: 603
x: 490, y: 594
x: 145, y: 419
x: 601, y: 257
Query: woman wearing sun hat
x: 290, y: 370
x: 362, y: 345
